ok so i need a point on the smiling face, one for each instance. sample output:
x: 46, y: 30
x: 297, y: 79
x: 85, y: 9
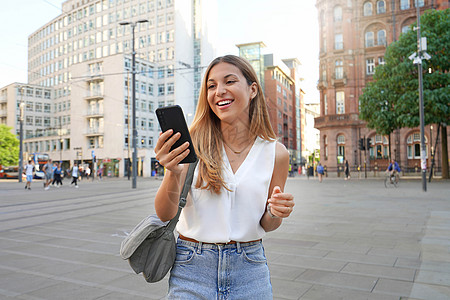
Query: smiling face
x: 229, y: 93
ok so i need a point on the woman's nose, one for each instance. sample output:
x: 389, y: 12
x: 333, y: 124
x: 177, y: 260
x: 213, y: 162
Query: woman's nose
x: 220, y: 90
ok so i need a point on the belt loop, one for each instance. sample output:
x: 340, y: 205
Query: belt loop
x: 199, y: 247
x: 238, y: 247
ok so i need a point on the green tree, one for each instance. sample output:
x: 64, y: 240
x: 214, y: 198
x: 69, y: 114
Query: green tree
x: 392, y: 100
x: 9, y: 147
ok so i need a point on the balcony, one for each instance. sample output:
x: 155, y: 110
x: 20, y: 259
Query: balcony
x: 94, y: 113
x: 3, y: 113
x: 94, y: 76
x: 94, y: 95
x: 94, y: 131
x: 337, y: 121
x: 321, y: 84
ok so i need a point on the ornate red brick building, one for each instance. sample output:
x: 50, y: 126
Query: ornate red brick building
x: 354, y: 35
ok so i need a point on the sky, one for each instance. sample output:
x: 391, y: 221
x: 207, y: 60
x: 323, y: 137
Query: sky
x: 287, y: 27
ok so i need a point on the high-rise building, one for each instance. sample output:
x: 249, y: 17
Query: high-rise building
x: 84, y: 57
x: 284, y: 97
x: 354, y: 35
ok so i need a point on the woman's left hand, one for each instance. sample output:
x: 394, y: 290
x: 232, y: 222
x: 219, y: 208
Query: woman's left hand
x: 281, y: 204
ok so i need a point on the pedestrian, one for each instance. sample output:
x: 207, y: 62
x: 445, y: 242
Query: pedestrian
x: 100, y: 173
x: 48, y: 171
x: 87, y: 172
x: 347, y: 171
x: 237, y: 191
x: 75, y: 175
x: 57, y: 174
x: 29, y: 169
x: 320, y: 171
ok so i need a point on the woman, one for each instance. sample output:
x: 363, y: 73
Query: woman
x: 347, y: 170
x: 237, y: 192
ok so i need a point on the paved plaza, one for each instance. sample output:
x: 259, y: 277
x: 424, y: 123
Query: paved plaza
x: 345, y: 240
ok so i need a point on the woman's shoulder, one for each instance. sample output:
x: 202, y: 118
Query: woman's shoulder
x: 281, y: 153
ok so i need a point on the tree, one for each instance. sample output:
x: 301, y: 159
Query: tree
x: 392, y: 100
x: 9, y: 147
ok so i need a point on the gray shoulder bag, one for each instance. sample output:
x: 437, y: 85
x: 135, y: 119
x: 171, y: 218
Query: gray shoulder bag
x: 151, y: 247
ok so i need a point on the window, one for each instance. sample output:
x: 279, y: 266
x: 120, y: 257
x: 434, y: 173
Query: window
x: 341, y: 145
x: 170, y: 88
x: 340, y: 103
x: 367, y: 9
x: 338, y: 14
x: 161, y: 88
x: 381, y: 60
x: 338, y: 41
x: 369, y: 42
x: 381, y: 7
x: 419, y: 2
x: 404, y: 4
x: 325, y: 102
x: 339, y: 69
x: 405, y: 29
x: 161, y: 72
x: 370, y: 66
x: 381, y: 37
x: 413, y: 146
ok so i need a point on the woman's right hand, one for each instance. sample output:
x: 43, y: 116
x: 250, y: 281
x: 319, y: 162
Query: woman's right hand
x: 171, y: 159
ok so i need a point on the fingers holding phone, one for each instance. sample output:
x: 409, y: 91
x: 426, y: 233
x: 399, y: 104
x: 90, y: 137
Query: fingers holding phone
x: 168, y: 157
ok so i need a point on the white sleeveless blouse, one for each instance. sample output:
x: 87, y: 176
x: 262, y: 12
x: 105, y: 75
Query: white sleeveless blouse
x: 235, y: 214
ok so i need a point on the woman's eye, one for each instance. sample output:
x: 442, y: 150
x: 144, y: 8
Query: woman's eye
x: 211, y: 86
x: 230, y: 81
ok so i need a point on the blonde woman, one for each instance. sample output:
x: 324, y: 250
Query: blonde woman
x: 237, y: 192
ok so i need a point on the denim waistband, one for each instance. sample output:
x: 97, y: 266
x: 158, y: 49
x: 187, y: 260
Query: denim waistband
x: 218, y: 245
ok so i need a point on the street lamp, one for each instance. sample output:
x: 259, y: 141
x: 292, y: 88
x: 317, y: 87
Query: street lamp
x: 19, y: 176
x: 133, y: 97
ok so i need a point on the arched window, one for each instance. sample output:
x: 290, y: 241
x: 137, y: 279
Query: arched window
x: 325, y: 144
x: 413, y: 146
x: 337, y: 14
x: 367, y: 9
x: 381, y: 37
x: 379, y: 147
x: 369, y: 39
x: 420, y: 2
x: 406, y: 28
x: 381, y: 7
x: 339, y: 69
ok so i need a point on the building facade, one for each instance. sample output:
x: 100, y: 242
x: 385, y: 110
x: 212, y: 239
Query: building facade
x: 354, y: 35
x: 84, y: 57
x: 284, y: 97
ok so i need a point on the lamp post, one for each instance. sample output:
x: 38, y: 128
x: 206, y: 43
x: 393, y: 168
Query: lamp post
x: 133, y: 97
x: 21, y: 107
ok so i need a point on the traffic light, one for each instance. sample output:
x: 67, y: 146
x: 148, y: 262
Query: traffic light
x: 369, y: 143
x: 361, y: 144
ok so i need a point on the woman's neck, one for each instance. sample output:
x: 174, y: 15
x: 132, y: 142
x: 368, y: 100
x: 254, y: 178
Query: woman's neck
x: 236, y: 136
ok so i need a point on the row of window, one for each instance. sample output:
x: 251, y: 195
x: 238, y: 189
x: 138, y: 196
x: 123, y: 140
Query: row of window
x: 380, y: 146
x: 143, y: 141
x: 45, y: 121
x: 33, y: 92
x: 147, y: 88
x: 97, y: 8
x: 46, y: 146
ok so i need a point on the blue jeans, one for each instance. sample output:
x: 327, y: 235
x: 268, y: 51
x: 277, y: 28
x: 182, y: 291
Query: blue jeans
x: 208, y: 271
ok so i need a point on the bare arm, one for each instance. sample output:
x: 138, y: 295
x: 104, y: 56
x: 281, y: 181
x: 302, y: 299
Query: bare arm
x: 281, y: 204
x: 167, y: 197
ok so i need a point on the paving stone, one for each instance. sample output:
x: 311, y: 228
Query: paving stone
x: 431, y: 277
x: 379, y: 271
x: 319, y: 292
x: 393, y: 287
x: 340, y: 280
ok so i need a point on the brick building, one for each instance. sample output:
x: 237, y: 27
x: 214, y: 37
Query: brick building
x: 354, y: 35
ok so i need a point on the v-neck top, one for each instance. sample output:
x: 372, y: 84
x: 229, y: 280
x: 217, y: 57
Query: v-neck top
x: 232, y: 215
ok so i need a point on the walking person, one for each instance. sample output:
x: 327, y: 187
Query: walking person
x: 57, y: 174
x: 237, y: 191
x: 48, y: 171
x: 347, y: 171
x: 29, y: 169
x: 75, y: 175
x: 320, y: 171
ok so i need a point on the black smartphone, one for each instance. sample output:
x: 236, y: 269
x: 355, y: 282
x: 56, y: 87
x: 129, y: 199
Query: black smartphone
x: 172, y: 117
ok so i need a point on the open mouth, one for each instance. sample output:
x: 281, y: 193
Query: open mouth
x: 224, y: 102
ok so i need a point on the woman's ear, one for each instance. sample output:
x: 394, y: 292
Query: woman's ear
x: 253, y: 90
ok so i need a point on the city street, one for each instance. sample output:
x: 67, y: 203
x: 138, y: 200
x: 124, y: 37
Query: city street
x: 345, y: 240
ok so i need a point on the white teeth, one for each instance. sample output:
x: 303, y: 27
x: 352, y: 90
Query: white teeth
x: 224, y: 102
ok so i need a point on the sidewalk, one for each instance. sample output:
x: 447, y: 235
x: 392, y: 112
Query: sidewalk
x: 345, y: 240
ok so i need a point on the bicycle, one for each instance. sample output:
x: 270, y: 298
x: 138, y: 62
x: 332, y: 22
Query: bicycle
x: 391, y: 180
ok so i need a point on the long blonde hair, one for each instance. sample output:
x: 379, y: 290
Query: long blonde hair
x: 205, y: 129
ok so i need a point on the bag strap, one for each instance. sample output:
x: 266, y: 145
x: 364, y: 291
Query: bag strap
x: 183, y: 195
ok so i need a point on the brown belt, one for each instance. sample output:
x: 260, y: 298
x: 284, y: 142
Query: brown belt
x: 184, y: 238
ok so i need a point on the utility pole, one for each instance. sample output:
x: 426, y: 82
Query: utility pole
x: 417, y: 58
x: 21, y: 107
x: 133, y: 98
